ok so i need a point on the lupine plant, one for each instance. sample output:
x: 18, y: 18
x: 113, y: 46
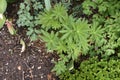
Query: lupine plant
x: 64, y: 34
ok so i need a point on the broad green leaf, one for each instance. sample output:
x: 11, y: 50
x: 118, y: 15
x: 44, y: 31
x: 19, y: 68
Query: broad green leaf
x: 3, y: 5
x: 2, y: 20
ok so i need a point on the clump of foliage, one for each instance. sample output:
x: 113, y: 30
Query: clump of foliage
x: 64, y: 34
x: 93, y: 69
x: 106, y: 14
x: 104, y: 40
x: 101, y: 7
x: 72, y: 37
x: 27, y: 17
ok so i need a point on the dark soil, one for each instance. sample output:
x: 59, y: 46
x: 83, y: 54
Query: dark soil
x: 32, y: 64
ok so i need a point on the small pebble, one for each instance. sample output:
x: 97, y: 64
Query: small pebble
x: 39, y: 67
x: 19, y: 67
x: 5, y: 79
x: 32, y: 67
x: 6, y: 64
x: 41, y: 77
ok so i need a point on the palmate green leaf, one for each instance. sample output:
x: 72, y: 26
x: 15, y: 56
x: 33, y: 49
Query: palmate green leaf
x: 75, y: 54
x: 68, y: 21
x: 55, y: 24
x: 45, y: 19
x: 87, y: 5
x: 64, y: 58
x: 33, y: 37
x: 50, y: 38
x: 37, y: 31
x: 73, y: 50
x: 59, y: 67
x: 67, y: 27
x: 76, y: 29
x: 37, y: 5
x: 102, y: 8
x: 33, y: 33
x: 96, y: 32
x: 76, y: 32
x: 30, y: 31
x: 109, y: 52
x: 98, y: 18
x: 48, y: 21
x: 59, y: 12
x: 3, y: 5
x: 65, y: 35
x: 61, y: 46
x: 83, y: 45
x: 81, y: 29
x: 53, y: 18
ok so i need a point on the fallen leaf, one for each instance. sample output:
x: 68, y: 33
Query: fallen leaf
x: 23, y: 45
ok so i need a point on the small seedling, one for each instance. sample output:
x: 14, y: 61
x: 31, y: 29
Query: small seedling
x: 10, y: 27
